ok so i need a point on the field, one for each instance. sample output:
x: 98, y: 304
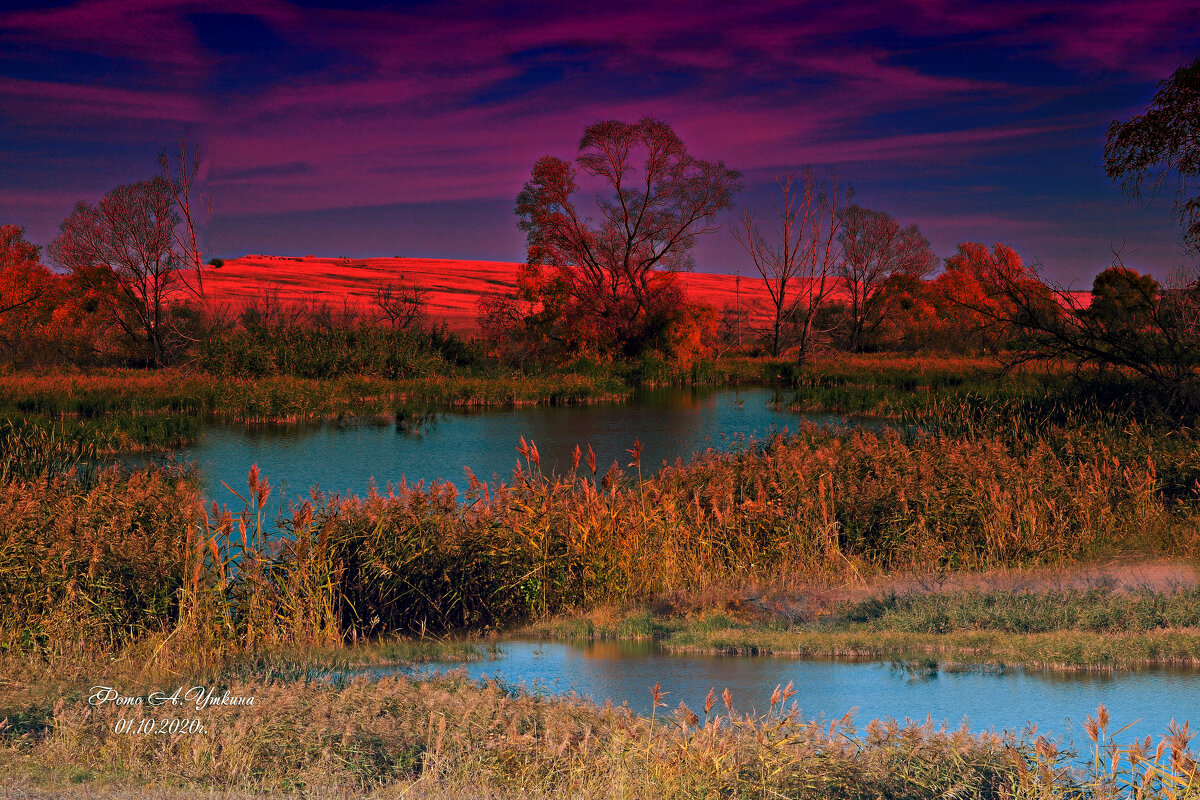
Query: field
x: 454, y: 286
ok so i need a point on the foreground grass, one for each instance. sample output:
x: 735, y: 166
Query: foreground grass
x: 448, y: 737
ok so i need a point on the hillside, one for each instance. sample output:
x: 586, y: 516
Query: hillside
x: 454, y: 286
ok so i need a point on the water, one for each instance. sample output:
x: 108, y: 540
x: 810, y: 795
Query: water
x: 1057, y: 703
x: 670, y: 424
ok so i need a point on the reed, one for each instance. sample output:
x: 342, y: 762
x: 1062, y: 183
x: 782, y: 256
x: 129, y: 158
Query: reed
x: 818, y: 508
x: 336, y: 349
x: 95, y: 565
x: 447, y: 737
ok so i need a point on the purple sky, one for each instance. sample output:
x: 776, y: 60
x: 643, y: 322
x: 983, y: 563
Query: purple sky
x: 407, y: 129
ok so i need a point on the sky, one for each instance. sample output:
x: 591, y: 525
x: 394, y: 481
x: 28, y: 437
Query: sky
x: 407, y: 129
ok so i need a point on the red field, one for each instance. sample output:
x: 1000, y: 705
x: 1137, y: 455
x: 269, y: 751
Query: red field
x: 454, y: 286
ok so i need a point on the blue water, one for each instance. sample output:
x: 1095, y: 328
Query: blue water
x: 1055, y: 702
x: 670, y: 424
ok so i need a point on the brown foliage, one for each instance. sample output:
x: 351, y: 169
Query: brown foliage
x: 123, y: 250
x: 874, y: 250
x: 601, y: 284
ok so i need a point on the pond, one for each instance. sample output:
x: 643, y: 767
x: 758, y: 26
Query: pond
x: 670, y: 424
x: 986, y: 699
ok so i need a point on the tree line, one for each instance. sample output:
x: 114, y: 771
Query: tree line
x: 600, y: 280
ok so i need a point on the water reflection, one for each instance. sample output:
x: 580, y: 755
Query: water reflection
x: 671, y: 424
x: 1012, y: 699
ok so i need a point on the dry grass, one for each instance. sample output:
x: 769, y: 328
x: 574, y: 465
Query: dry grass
x: 126, y: 556
x: 446, y: 737
x: 279, y: 398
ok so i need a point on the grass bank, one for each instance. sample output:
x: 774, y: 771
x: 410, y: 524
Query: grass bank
x: 1094, y: 629
x: 280, y: 398
x: 447, y: 737
x: 121, y: 411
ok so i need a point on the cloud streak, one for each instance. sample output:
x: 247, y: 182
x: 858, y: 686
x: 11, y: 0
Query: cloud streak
x: 322, y: 108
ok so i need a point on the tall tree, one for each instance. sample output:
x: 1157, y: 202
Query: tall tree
x: 874, y: 249
x: 615, y: 274
x: 795, y: 259
x: 1142, y: 151
x: 975, y: 306
x: 124, y: 250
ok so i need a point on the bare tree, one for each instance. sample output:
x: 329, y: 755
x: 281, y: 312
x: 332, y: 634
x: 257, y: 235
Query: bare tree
x: 124, y: 249
x: 401, y: 303
x: 616, y: 272
x: 875, y: 248
x: 796, y: 258
x: 180, y: 174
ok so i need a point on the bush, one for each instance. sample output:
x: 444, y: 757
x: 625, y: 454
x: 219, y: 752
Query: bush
x: 334, y: 351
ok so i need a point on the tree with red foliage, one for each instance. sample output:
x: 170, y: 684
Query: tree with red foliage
x: 27, y: 293
x: 874, y: 249
x: 915, y: 317
x: 975, y: 306
x: 123, y: 250
x: 608, y: 280
x: 23, y: 278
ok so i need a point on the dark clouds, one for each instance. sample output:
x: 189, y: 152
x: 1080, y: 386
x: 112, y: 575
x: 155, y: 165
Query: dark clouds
x: 978, y: 121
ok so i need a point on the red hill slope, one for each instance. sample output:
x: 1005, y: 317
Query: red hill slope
x: 454, y: 286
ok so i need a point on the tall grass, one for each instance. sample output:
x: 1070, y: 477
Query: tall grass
x: 817, y: 508
x: 336, y: 350
x: 820, y: 507
x: 978, y: 490
x: 93, y: 565
x: 446, y: 737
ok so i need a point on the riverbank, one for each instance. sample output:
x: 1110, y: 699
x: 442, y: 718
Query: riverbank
x: 260, y: 732
x: 114, y: 411
x: 1100, y: 618
x: 750, y: 550
x: 280, y: 398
